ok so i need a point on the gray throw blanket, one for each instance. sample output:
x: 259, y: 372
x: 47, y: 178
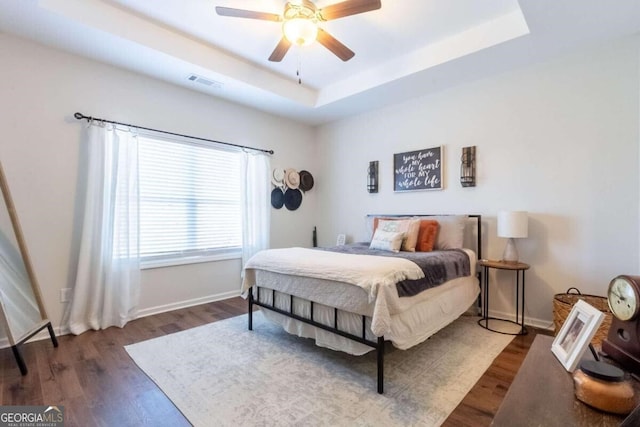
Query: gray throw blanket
x: 438, y: 266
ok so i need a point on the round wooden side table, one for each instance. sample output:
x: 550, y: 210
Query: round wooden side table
x: 519, y: 268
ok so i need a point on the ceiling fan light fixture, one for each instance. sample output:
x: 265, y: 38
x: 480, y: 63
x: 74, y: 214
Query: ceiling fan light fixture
x: 300, y: 23
x: 300, y: 31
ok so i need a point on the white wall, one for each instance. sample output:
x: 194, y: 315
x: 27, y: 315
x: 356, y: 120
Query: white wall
x: 559, y: 140
x: 40, y: 90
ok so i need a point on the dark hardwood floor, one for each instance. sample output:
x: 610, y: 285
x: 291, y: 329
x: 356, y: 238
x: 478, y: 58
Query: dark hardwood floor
x: 482, y: 402
x: 93, y: 377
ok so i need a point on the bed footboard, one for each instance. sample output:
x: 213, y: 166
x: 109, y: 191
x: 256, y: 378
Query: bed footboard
x: 377, y: 345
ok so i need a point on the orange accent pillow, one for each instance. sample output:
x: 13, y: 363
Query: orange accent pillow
x: 427, y: 235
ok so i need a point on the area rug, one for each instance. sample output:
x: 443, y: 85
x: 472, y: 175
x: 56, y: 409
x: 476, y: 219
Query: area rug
x: 222, y: 374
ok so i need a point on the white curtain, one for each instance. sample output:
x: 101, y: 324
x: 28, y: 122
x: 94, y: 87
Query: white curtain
x: 256, y: 204
x: 107, y: 287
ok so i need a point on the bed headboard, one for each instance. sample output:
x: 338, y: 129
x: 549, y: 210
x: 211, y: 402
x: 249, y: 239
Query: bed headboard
x: 477, y: 220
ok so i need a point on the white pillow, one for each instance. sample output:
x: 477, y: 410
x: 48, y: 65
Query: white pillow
x: 371, y: 223
x: 410, y: 228
x: 386, y: 240
x: 450, y: 232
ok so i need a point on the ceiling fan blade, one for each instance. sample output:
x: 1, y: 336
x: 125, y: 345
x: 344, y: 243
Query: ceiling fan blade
x: 281, y: 50
x: 241, y: 13
x: 331, y: 43
x: 347, y: 8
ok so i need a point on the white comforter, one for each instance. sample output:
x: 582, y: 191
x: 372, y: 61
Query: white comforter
x: 377, y: 275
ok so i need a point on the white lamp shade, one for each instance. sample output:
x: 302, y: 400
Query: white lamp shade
x: 513, y: 224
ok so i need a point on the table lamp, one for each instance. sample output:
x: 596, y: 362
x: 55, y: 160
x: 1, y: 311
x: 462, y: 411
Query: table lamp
x: 512, y: 225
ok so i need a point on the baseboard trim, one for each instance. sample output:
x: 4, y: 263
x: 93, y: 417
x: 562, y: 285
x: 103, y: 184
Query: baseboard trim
x: 545, y: 324
x: 64, y: 330
x: 186, y: 304
x: 42, y: 335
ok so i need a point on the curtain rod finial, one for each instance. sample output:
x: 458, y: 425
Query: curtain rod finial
x: 79, y: 116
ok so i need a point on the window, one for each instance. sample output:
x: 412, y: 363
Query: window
x: 190, y: 202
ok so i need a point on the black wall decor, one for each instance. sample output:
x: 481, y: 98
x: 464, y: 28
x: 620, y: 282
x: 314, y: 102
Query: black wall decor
x: 468, y: 167
x: 372, y: 177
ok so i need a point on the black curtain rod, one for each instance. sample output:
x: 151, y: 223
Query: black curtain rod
x: 81, y: 116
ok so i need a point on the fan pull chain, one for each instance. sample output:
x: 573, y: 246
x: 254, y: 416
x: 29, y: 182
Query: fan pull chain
x: 298, y: 72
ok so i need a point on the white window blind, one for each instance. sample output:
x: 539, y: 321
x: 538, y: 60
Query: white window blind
x: 190, y: 198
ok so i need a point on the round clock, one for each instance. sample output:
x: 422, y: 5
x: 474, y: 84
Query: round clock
x: 623, y: 297
x: 623, y: 340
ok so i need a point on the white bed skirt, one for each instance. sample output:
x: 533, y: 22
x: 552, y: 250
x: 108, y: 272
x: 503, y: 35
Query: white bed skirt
x: 412, y: 320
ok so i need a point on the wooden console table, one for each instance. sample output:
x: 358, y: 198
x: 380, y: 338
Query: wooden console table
x: 542, y: 394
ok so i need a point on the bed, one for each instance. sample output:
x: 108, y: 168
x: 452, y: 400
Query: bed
x: 353, y: 298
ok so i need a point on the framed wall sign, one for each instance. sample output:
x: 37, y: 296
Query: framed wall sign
x: 418, y: 170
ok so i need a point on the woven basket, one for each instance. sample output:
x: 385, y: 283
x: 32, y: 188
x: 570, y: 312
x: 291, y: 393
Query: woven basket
x: 563, y: 303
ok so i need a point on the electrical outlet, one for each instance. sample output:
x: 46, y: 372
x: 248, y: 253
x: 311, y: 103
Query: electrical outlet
x: 65, y: 294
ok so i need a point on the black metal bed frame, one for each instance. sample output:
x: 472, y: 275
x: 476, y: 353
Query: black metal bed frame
x: 377, y: 345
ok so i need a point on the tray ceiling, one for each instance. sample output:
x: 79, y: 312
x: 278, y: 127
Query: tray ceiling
x: 405, y: 49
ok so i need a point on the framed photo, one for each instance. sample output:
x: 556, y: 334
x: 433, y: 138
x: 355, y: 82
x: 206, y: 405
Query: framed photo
x: 576, y: 334
x: 418, y: 170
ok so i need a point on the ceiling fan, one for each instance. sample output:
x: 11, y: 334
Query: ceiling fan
x: 300, y: 21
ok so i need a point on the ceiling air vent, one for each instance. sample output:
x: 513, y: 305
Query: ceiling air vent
x: 206, y: 82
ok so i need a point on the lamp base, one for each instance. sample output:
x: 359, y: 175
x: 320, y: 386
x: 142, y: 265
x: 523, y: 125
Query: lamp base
x: 510, y: 254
